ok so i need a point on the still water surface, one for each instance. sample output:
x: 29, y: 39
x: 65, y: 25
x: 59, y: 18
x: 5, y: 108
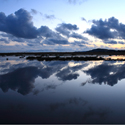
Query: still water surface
x: 61, y: 91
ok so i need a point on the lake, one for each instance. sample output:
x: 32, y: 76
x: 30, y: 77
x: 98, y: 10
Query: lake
x: 61, y: 91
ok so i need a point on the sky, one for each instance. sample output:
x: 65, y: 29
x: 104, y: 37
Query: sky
x: 61, y: 25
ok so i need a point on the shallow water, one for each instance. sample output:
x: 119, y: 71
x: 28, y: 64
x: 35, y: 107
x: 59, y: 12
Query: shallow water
x: 61, y: 91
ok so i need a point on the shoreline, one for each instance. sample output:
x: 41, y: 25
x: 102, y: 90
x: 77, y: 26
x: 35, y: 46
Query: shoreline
x: 63, y: 53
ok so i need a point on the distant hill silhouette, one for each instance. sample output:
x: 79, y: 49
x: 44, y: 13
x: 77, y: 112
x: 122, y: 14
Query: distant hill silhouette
x: 98, y: 51
x: 102, y: 50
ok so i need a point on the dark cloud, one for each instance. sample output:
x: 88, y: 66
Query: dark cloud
x: 83, y: 19
x: 101, y: 32
x: 9, y: 38
x: 4, y: 34
x: 63, y: 31
x: 52, y: 86
x: 69, y: 26
x: 19, y: 27
x: 29, y: 44
x: 49, y: 16
x: 20, y: 24
x: 78, y: 43
x: 113, y: 42
x: 110, y: 42
x: 33, y: 11
x: 78, y: 36
x: 107, y: 29
x: 17, y: 39
x: 66, y: 28
x: 120, y: 42
x: 4, y: 40
x: 48, y: 33
x: 55, y: 41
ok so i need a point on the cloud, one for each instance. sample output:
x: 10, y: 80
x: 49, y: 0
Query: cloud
x: 33, y: 11
x: 9, y: 38
x: 4, y: 40
x: 110, y: 42
x: 83, y: 19
x: 45, y: 31
x: 78, y: 36
x: 46, y: 16
x: 66, y: 28
x: 113, y: 42
x: 29, y: 44
x: 76, y: 1
x: 48, y: 33
x: 49, y: 16
x: 69, y: 26
x: 63, y: 31
x: 55, y: 41
x: 51, y: 86
x: 78, y: 43
x: 107, y: 29
x: 20, y: 25
x: 121, y: 42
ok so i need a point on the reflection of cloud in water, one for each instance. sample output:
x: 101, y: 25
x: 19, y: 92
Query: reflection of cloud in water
x: 16, y: 107
x: 92, y: 64
x: 52, y: 86
x: 96, y: 116
x: 77, y: 101
x: 57, y: 105
x: 109, y: 74
x: 67, y: 76
x: 68, y: 73
x: 73, y: 101
x: 80, y: 107
x: 35, y: 92
x: 20, y: 80
x: 87, y: 81
x: 21, y: 77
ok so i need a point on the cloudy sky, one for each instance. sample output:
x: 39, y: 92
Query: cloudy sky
x: 61, y: 25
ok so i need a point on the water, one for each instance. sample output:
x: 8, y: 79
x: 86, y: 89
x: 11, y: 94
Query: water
x: 61, y: 91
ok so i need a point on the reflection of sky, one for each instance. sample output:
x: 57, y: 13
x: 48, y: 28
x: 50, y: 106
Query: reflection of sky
x: 61, y: 71
x: 116, y: 57
x: 61, y: 92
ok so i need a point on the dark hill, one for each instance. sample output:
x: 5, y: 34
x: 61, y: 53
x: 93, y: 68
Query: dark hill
x: 102, y: 50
